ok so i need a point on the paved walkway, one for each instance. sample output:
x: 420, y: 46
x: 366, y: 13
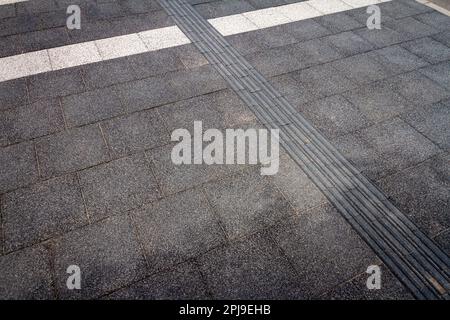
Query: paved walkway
x: 86, y: 176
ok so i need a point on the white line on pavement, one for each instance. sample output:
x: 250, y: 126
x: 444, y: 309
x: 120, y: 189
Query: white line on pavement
x: 3, y: 2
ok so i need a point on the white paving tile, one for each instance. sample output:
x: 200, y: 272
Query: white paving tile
x: 329, y: 6
x: 23, y: 65
x: 233, y: 24
x: 265, y: 18
x: 361, y: 3
x: 3, y: 2
x: 74, y: 55
x: 163, y: 38
x: 120, y: 46
x: 298, y: 11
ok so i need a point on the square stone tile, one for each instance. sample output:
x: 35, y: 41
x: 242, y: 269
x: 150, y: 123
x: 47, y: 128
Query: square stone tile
x: 294, y: 91
x: 183, y: 283
x: 156, y: 62
x: 218, y: 9
x: 248, y: 43
x: 13, y: 93
x: 417, y: 88
x: 305, y: 195
x: 71, y: 150
x: 323, y: 80
x: 422, y: 194
x: 107, y: 253
x: 190, y: 56
x: 334, y: 254
x: 363, y: 155
x: 55, y: 84
x: 219, y: 110
x: 106, y: 73
x: 377, y: 101
x: 26, y: 275
x: 135, y: 132
x: 397, y: 60
x: 440, y: 73
x: 274, y: 37
x: 120, y: 46
x: 399, y: 143
x: 361, y: 68
x: 73, y: 55
x: 233, y: 24
x: 177, y: 228
x: 92, y: 106
x: 400, y: 9
x: 356, y: 289
x: 247, y: 202
x: 428, y: 49
x: 19, y: 166
x: 381, y: 38
x: 334, y: 116
x: 118, y: 186
x: 30, y: 121
x: 313, y: 52
x: 267, y: 17
x: 173, y: 178
x: 42, y: 211
x: 250, y: 269
x: 305, y: 29
x: 276, y: 61
x: 435, y: 19
x: 339, y: 22
x: 432, y: 121
x: 411, y: 28
x: 348, y: 43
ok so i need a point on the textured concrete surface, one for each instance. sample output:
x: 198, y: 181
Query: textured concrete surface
x: 86, y: 176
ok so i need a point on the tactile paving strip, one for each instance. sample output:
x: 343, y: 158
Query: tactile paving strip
x: 413, y: 257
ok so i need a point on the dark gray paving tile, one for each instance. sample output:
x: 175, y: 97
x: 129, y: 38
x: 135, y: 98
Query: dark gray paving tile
x: 39, y: 40
x: 399, y: 144
x: 435, y: 19
x: 222, y: 109
x: 41, y: 211
x: 443, y: 240
x: 136, y: 132
x: 305, y: 195
x: 91, y: 106
x: 30, y: 121
x: 397, y: 60
x: 260, y: 4
x: 313, y: 52
x: 190, y: 56
x: 294, y: 91
x: 26, y: 275
x: 339, y: 22
x: 428, y: 49
x: 19, y: 166
x: 71, y: 150
x: 136, y: 6
x: 247, y: 202
x: 106, y: 73
x: 334, y: 116
x: 422, y: 194
x: 13, y: 93
x: 348, y: 43
x: 333, y: 255
x: 275, y: 61
x: 247, y: 43
x: 417, y: 88
x: 440, y: 73
x: 361, y: 68
x: 177, y: 228
x: 182, y: 283
x: 107, y: 253
x: 273, y: 37
x: 433, y: 122
x: 55, y: 84
x: 251, y: 269
x: 323, y: 80
x: 363, y: 155
x: 403, y: 8
x: 32, y: 7
x: 443, y: 37
x: 356, y: 289
x: 305, y: 29
x: 381, y: 38
x: 118, y: 186
x: 7, y: 11
x: 377, y: 101
x: 411, y: 28
x: 222, y: 8
x: 140, y: 22
x: 153, y: 63
x: 173, y: 178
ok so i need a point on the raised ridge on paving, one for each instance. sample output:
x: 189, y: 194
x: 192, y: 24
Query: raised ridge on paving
x: 413, y: 257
